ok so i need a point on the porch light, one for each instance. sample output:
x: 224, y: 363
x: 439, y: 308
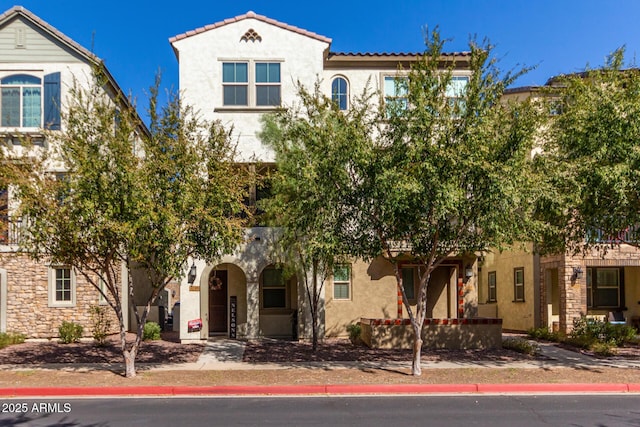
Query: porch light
x: 577, y: 273
x: 191, y: 277
x: 468, y: 272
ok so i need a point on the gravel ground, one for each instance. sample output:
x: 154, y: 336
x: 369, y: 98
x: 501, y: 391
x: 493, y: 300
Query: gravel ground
x: 109, y: 371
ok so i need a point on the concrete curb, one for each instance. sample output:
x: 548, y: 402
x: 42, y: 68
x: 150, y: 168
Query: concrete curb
x: 330, y: 389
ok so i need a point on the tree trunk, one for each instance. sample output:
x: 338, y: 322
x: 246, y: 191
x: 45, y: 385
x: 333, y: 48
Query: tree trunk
x: 416, y: 369
x: 314, y: 309
x: 130, y: 361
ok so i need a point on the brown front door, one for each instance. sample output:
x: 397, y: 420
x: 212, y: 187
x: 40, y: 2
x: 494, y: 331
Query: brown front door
x: 218, y: 301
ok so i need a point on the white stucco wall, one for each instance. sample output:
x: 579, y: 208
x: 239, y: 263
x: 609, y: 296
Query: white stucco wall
x: 201, y: 57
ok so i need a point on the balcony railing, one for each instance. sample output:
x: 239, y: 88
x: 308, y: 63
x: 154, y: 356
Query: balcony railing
x: 630, y: 235
x: 11, y: 230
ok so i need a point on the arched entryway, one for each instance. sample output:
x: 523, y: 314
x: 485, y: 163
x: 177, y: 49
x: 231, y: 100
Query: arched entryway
x: 224, y: 300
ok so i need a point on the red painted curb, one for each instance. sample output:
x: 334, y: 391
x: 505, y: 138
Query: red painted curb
x: 554, y: 388
x: 331, y: 389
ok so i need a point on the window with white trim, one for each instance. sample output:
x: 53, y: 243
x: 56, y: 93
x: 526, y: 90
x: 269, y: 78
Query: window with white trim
x: 21, y: 104
x: 29, y: 101
x: 62, y: 287
x: 339, y: 92
x: 491, y: 282
x: 267, y: 83
x: 235, y: 83
x: 274, y: 288
x: 342, y: 281
x: 101, y: 295
x: 395, y: 93
x: 251, y: 84
x: 518, y: 284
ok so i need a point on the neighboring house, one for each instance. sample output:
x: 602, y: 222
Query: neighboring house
x: 528, y: 291
x: 38, y: 66
x: 235, y: 71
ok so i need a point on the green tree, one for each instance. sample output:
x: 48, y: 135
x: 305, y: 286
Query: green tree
x: 435, y: 173
x: 312, y: 143
x: 148, y: 199
x: 592, y: 158
x: 451, y: 174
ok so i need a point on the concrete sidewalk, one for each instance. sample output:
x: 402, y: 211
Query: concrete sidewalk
x: 225, y: 354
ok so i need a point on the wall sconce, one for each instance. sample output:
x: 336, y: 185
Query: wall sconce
x: 191, y: 277
x: 577, y: 273
x: 468, y: 272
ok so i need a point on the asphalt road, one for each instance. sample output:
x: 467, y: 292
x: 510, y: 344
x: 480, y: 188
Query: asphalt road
x: 450, y: 411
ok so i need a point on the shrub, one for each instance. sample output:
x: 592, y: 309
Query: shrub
x: 151, y: 331
x: 8, y: 338
x: 543, y: 333
x: 521, y: 346
x: 591, y: 331
x: 70, y: 332
x: 354, y: 333
x: 101, y: 324
x: 605, y: 349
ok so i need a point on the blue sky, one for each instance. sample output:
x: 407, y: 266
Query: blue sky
x: 558, y: 36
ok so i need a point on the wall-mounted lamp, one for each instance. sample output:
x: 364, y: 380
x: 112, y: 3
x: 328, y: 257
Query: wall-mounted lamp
x: 468, y: 272
x: 577, y: 273
x: 191, y: 277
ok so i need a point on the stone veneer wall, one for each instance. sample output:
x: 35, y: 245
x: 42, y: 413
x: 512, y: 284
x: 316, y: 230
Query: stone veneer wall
x: 28, y: 310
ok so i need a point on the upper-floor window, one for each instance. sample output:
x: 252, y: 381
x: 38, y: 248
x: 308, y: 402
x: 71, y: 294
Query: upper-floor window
x: 395, y: 93
x: 21, y: 101
x: 518, y: 284
x: 242, y: 88
x: 339, y: 92
x: 235, y: 83
x: 267, y: 83
x: 28, y: 101
x: 455, y: 91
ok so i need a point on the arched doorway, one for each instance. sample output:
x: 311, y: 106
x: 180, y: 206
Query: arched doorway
x: 218, y: 285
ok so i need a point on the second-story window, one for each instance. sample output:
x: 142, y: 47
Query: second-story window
x: 21, y: 104
x: 339, y: 92
x: 267, y: 83
x: 235, y: 83
x: 395, y: 93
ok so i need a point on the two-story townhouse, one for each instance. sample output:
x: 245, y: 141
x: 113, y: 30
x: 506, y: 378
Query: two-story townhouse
x: 38, y: 67
x: 235, y: 71
x: 528, y: 290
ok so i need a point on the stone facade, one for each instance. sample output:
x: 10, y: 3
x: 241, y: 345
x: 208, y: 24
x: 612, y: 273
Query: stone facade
x: 27, y: 306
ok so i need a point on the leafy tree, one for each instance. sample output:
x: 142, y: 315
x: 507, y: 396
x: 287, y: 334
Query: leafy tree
x: 145, y: 199
x: 450, y: 175
x: 592, y: 158
x: 432, y: 174
x: 312, y: 143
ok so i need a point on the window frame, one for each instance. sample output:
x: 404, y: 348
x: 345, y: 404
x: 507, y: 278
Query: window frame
x: 593, y: 286
x: 342, y: 283
x: 414, y: 273
x: 21, y: 99
x: 53, y: 287
x: 235, y: 84
x: 252, y: 85
x: 268, y: 84
x: 517, y: 284
x: 263, y: 287
x: 492, y: 288
x: 337, y: 96
x: 392, y: 100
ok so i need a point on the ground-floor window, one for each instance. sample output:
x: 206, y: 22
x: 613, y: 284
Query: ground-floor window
x: 518, y: 284
x: 274, y: 289
x: 605, y: 287
x: 342, y: 281
x: 491, y: 281
x: 62, y: 287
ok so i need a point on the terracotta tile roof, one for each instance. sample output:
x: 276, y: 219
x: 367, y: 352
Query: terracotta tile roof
x: 389, y: 54
x: 19, y: 10
x: 250, y: 15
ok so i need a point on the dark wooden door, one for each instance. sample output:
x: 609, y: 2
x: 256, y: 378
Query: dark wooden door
x: 218, y: 301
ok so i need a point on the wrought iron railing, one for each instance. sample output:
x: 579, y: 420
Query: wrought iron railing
x: 630, y: 235
x: 10, y: 230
